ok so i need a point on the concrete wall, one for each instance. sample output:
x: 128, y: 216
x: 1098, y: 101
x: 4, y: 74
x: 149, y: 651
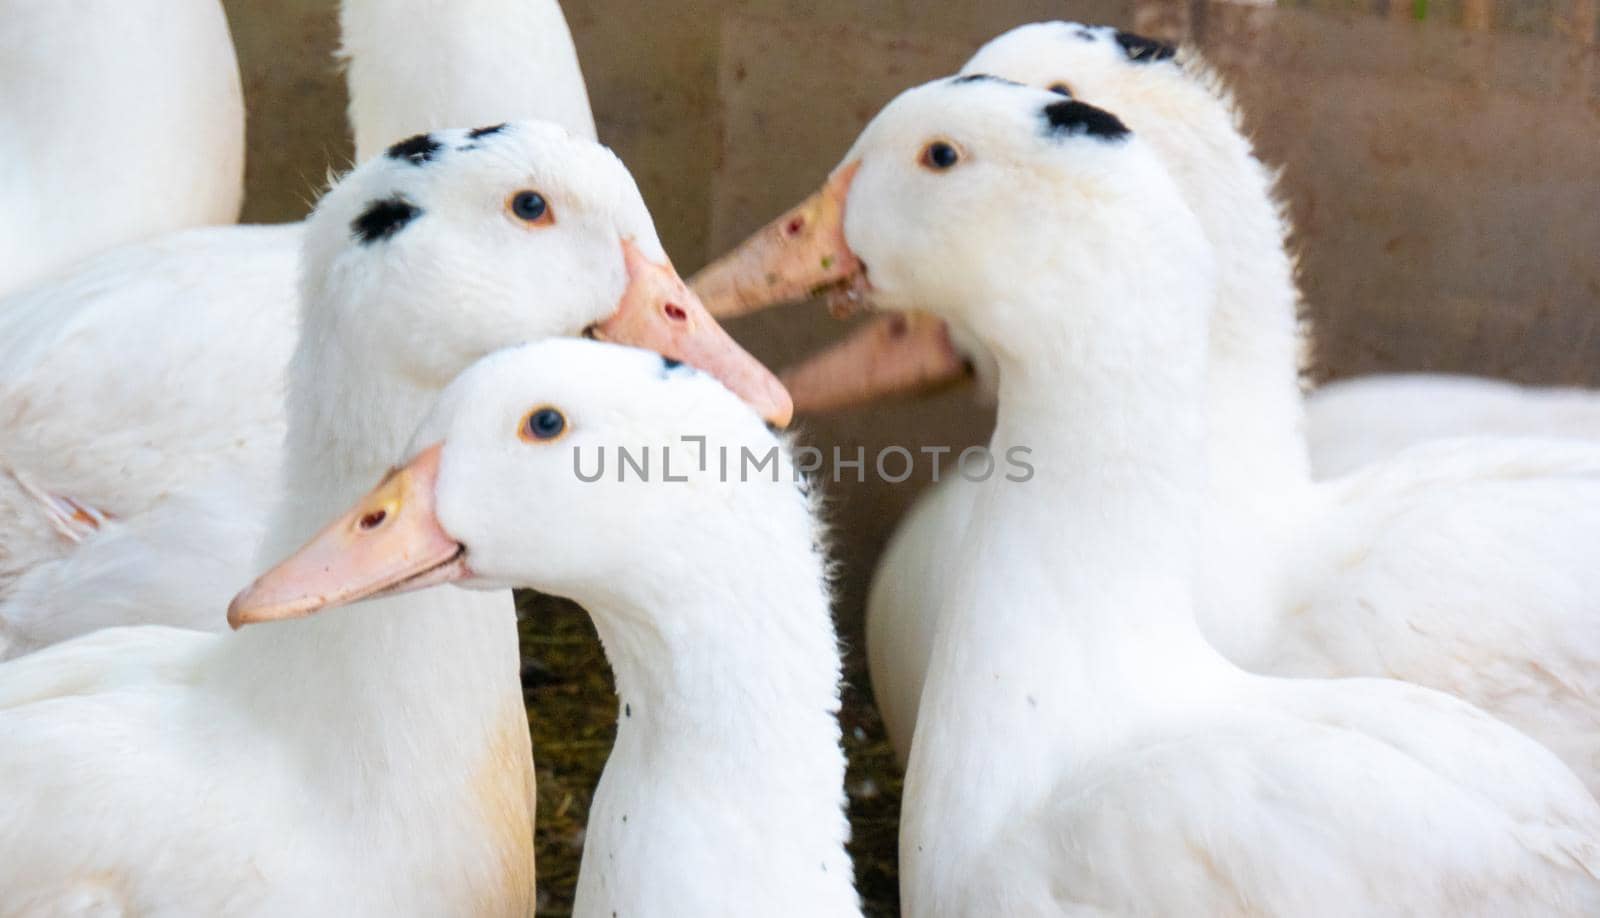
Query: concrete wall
x: 1444, y: 179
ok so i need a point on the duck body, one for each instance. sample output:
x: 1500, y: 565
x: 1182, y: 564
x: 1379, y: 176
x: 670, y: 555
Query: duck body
x: 1230, y: 806
x: 182, y: 800
x: 94, y: 92
x: 140, y: 497
x: 1352, y: 422
x: 1404, y: 569
x: 1077, y: 749
x: 177, y: 434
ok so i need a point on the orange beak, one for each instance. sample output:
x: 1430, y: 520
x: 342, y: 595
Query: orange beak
x: 391, y: 542
x: 894, y: 354
x: 659, y: 312
x: 789, y: 259
x: 803, y: 253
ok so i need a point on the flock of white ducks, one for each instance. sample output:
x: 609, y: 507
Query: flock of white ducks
x: 1086, y: 668
x: 202, y: 324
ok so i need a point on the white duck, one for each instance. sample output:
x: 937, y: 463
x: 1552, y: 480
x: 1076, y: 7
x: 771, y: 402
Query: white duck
x: 1457, y: 566
x: 375, y: 762
x: 724, y: 792
x: 1083, y: 747
x: 141, y: 412
x: 119, y: 120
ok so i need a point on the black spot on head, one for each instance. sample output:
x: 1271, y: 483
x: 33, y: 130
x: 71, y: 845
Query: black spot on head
x: 627, y: 710
x: 476, y: 133
x: 1070, y: 118
x: 1144, y: 50
x: 416, y: 150
x: 671, y: 364
x: 981, y: 78
x: 383, y: 219
x: 1084, y: 33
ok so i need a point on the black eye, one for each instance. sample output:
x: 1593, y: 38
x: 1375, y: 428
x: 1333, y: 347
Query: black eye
x: 940, y: 155
x: 530, y: 206
x: 543, y: 424
x: 1061, y: 89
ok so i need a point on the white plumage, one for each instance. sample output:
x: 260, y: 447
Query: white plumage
x: 146, y: 384
x: 1081, y: 745
x: 1458, y: 566
x: 376, y: 761
x: 119, y: 120
x: 723, y: 794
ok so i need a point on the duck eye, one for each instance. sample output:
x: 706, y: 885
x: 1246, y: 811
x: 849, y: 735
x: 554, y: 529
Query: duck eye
x: 1061, y: 89
x: 543, y: 424
x: 531, y: 207
x: 939, y: 156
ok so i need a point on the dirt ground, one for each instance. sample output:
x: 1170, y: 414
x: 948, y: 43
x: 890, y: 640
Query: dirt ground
x: 573, y: 711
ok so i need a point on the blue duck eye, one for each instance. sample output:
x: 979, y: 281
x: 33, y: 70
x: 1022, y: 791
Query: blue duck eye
x: 530, y: 206
x: 940, y: 156
x: 543, y: 424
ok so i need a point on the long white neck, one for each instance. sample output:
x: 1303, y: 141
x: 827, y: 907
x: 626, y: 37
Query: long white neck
x: 1070, y: 626
x: 419, y: 65
x: 1254, y: 405
x: 404, y: 713
x: 728, y: 696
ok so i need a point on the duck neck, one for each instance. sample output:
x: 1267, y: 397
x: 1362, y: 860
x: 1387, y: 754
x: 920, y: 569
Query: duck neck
x: 1070, y: 626
x: 1255, y: 412
x: 409, y: 691
x: 419, y: 65
x: 731, y: 685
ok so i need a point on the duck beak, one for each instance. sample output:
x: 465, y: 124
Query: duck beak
x: 789, y: 259
x: 894, y: 354
x: 659, y: 312
x: 391, y: 542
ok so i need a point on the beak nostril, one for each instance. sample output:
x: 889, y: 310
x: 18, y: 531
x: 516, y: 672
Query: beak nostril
x: 374, y: 519
x: 675, y: 312
x: 795, y: 226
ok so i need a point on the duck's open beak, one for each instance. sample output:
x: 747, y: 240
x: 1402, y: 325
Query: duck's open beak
x: 901, y: 353
x: 390, y: 542
x: 802, y: 253
x: 658, y: 311
x: 789, y: 259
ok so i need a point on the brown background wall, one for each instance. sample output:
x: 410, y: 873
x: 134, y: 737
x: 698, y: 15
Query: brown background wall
x: 1444, y: 175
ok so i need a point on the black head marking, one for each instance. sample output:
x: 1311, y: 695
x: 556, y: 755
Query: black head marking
x: 1069, y: 118
x: 981, y: 78
x: 1143, y: 50
x: 670, y: 364
x: 417, y: 150
x: 476, y: 133
x: 1084, y: 33
x: 383, y: 219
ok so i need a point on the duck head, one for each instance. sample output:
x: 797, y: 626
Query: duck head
x: 456, y: 243
x: 506, y: 487
x: 970, y: 189
x: 1136, y: 77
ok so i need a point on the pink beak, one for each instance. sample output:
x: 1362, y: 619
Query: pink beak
x: 659, y: 312
x: 390, y: 542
